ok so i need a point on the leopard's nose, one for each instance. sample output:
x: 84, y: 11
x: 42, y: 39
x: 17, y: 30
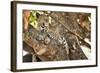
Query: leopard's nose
x: 42, y: 25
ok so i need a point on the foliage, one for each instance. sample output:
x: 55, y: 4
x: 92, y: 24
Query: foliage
x: 33, y: 19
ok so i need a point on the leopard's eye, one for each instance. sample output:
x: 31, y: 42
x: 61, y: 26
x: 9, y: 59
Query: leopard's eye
x: 43, y: 24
